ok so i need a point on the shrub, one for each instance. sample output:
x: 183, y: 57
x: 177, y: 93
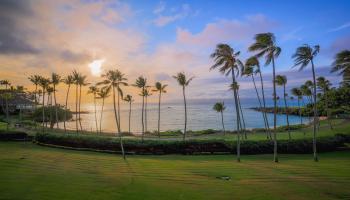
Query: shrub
x: 12, y: 135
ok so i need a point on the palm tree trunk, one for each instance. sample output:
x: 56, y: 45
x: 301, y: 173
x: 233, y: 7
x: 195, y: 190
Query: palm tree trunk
x: 56, y: 111
x: 286, y: 107
x: 183, y: 92
x: 315, y: 113
x: 66, y: 109
x: 36, y: 102
x: 76, y: 108
x: 142, y: 120
x: 222, y: 121
x: 238, y: 118
x: 103, y: 103
x: 258, y: 96
x: 240, y: 108
x: 146, y: 114
x: 129, y: 115
x: 117, y: 120
x: 264, y: 104
x: 275, y: 158
x: 301, y: 119
x: 95, y: 113
x: 81, y: 127
x: 118, y: 124
x: 43, y: 111
x: 50, y: 110
x: 160, y: 94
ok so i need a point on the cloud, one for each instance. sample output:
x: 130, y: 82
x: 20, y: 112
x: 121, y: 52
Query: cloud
x: 163, y: 20
x: 341, y: 27
x: 239, y: 31
x: 159, y: 8
x: 292, y: 35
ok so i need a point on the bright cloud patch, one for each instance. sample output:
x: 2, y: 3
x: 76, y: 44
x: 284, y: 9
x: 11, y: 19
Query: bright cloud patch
x: 95, y: 67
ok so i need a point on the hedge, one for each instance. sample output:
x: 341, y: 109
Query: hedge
x: 13, y: 135
x: 300, y: 146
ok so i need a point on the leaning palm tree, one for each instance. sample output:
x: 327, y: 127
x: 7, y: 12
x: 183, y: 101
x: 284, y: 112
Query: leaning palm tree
x: 282, y: 81
x: 303, y: 56
x: 94, y: 90
x: 324, y: 85
x: 249, y: 71
x: 141, y: 83
x: 159, y: 87
x: 128, y: 98
x: 44, y: 83
x: 235, y: 86
x: 297, y: 92
x: 265, y: 45
x: 220, y: 107
x: 69, y: 80
x: 113, y: 79
x: 341, y: 65
x: 226, y: 59
x: 183, y: 82
x: 103, y: 94
x: 55, y: 80
x: 81, y: 82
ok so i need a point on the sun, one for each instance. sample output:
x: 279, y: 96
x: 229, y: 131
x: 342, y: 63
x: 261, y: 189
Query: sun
x: 95, y: 67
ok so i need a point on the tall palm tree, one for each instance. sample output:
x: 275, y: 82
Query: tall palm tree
x: 94, y: 90
x: 50, y: 91
x: 341, y: 65
x: 141, y: 83
x: 297, y: 92
x: 303, y: 56
x: 183, y: 82
x: 226, y: 59
x: 68, y: 80
x: 113, y: 80
x: 55, y: 80
x: 35, y: 79
x: 159, y: 87
x: 81, y: 82
x: 282, y: 81
x: 128, y: 98
x: 324, y: 85
x: 44, y: 83
x: 146, y: 93
x: 103, y: 94
x: 265, y: 45
x: 250, y: 71
x: 76, y: 76
x: 220, y: 107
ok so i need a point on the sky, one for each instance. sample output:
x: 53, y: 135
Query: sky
x: 157, y: 39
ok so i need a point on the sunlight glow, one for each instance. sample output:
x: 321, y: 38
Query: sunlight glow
x: 95, y: 67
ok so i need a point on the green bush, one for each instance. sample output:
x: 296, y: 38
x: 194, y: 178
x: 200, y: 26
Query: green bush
x: 12, y: 135
x: 190, y: 146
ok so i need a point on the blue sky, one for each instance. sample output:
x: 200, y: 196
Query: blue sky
x: 159, y: 38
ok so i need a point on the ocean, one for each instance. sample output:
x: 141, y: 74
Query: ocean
x: 200, y: 116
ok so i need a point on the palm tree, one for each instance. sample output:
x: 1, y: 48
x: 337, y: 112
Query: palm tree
x: 55, y: 80
x: 81, y: 82
x: 220, y: 107
x: 7, y: 96
x: 94, y: 90
x: 146, y: 93
x: 141, y: 83
x: 183, y: 82
x: 50, y: 90
x: 306, y: 91
x: 35, y: 79
x: 235, y: 86
x: 226, y: 59
x: 297, y: 92
x: 44, y: 83
x: 69, y: 80
x: 129, y: 99
x: 324, y: 85
x: 76, y: 76
x: 282, y: 81
x: 265, y: 45
x: 103, y: 94
x: 113, y: 79
x: 249, y: 71
x: 303, y: 56
x: 341, y: 65
x: 159, y: 87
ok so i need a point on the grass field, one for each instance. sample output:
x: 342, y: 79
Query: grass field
x: 28, y: 171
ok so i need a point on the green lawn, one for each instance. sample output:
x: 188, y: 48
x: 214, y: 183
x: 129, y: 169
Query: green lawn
x: 28, y: 171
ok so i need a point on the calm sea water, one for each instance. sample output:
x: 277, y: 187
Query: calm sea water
x: 200, y: 116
